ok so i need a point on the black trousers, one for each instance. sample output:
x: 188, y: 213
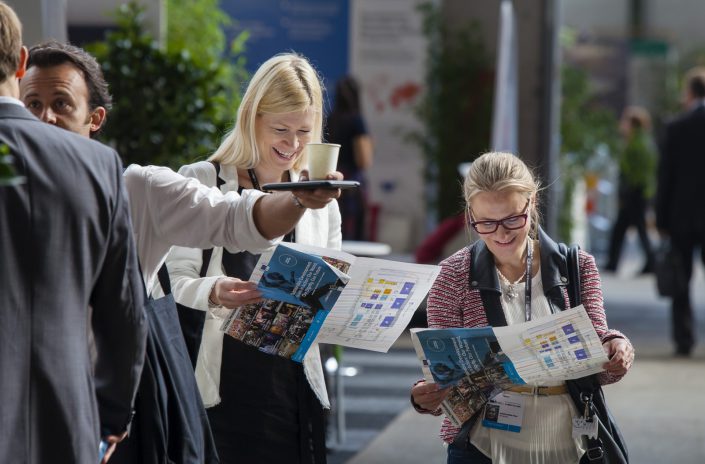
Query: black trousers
x: 682, y: 321
x: 632, y: 213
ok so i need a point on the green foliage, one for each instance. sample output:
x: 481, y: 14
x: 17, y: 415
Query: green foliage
x: 208, y: 45
x: 456, y: 107
x: 7, y: 171
x: 585, y: 127
x: 170, y: 106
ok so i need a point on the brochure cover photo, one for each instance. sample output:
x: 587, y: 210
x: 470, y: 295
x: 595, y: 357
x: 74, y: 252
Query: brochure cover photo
x: 301, y: 279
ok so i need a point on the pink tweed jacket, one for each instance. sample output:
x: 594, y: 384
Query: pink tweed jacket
x: 452, y: 303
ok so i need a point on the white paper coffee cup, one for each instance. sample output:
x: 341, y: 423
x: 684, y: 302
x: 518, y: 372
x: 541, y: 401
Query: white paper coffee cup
x: 322, y: 159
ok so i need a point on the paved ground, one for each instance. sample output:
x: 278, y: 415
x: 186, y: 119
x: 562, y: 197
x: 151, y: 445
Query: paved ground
x: 659, y: 405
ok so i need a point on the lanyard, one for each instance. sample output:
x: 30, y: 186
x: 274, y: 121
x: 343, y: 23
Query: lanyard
x: 253, y: 179
x: 527, y: 281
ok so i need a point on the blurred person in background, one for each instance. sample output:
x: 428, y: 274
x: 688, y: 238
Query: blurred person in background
x: 346, y: 126
x: 637, y: 184
x: 680, y: 211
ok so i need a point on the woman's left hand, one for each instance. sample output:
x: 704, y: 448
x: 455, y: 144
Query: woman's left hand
x: 319, y: 198
x: 621, y: 355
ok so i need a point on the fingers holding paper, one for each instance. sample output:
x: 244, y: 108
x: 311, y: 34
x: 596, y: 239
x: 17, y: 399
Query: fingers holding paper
x: 231, y: 292
x: 428, y: 396
x: 621, y: 356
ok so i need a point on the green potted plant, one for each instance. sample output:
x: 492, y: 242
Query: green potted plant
x: 170, y: 105
x: 586, y: 127
x: 455, y: 110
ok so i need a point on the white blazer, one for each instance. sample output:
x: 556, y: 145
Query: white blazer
x: 319, y: 227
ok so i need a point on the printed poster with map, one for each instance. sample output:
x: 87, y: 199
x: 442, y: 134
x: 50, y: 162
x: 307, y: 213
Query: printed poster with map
x: 481, y: 362
x: 320, y: 295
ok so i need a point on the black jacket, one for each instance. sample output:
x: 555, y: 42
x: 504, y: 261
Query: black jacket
x: 554, y: 276
x: 679, y: 209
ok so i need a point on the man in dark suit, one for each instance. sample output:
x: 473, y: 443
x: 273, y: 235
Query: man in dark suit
x: 66, y: 245
x: 680, y: 211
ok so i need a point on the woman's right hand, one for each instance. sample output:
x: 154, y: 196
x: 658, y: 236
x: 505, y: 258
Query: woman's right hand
x: 232, y: 293
x: 428, y: 396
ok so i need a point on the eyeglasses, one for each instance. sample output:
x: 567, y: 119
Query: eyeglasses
x: 509, y: 223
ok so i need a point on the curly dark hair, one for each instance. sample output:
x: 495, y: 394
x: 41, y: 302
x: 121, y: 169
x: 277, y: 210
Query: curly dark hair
x: 54, y: 53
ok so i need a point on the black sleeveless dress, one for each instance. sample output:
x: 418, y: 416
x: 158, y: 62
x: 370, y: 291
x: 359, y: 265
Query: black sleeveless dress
x: 268, y: 412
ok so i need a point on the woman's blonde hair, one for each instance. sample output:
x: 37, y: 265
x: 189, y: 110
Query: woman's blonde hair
x: 502, y: 172
x: 283, y: 84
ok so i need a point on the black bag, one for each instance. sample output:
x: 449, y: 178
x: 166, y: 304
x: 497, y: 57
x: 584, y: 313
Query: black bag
x: 170, y: 423
x: 609, y: 447
x: 191, y: 320
x: 670, y: 274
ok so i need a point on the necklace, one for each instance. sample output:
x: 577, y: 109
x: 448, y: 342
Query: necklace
x: 511, y: 286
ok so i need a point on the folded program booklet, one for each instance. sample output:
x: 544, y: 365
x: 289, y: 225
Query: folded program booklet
x: 478, y: 363
x: 317, y: 294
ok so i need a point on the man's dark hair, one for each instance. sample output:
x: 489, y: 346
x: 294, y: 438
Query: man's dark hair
x: 697, y: 86
x: 53, y: 53
x: 695, y: 80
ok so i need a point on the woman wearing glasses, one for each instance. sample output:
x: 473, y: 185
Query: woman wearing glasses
x: 488, y: 281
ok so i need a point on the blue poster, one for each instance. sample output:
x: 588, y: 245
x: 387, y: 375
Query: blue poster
x: 317, y: 29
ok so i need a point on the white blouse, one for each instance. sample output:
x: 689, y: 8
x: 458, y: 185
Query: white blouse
x: 319, y: 227
x: 546, y: 429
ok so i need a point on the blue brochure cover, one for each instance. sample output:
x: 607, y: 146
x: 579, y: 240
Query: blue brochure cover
x: 454, y: 354
x: 301, y: 279
x: 299, y: 290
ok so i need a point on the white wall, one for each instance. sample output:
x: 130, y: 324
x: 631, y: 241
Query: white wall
x: 101, y: 12
x: 41, y: 19
x: 387, y: 55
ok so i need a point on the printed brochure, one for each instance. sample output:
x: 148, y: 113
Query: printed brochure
x: 320, y: 295
x: 479, y: 363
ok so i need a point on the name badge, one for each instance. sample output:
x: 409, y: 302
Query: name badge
x: 583, y: 426
x: 504, y: 412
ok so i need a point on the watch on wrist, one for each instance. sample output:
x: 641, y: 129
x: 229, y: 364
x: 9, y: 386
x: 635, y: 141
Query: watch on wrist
x: 297, y: 202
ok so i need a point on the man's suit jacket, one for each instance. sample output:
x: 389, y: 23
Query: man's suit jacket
x: 679, y: 206
x: 66, y: 245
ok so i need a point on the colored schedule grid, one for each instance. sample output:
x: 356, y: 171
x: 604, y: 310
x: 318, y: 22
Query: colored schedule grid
x: 557, y: 347
x: 379, y: 305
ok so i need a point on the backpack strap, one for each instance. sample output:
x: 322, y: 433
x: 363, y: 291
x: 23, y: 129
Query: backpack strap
x: 572, y: 258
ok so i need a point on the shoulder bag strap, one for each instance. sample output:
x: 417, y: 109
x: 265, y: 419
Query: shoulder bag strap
x: 588, y: 388
x: 573, y: 261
